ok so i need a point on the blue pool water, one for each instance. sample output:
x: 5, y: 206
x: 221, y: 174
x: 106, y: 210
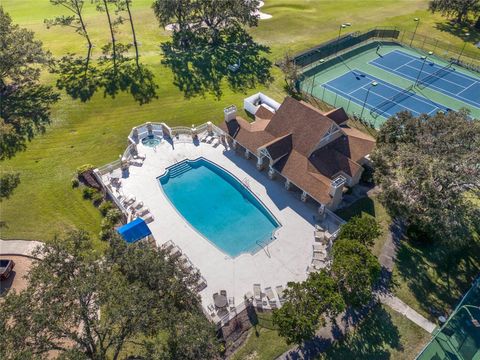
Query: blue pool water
x: 218, y: 206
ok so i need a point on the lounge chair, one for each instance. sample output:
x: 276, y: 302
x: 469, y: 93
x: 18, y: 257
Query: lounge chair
x: 318, y: 248
x: 311, y: 269
x: 257, y: 292
x: 319, y: 256
x: 318, y: 264
x: 279, y: 290
x: 167, y: 246
x: 202, y: 284
x: 319, y: 235
x: 271, y: 297
x: 175, y: 251
x: 136, y: 205
x: 215, y: 142
x: 148, y: 218
x: 143, y: 211
x: 231, y: 303
x: 129, y: 200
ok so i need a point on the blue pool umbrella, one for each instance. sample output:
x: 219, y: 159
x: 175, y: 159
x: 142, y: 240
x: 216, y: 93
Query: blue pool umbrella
x: 134, y: 230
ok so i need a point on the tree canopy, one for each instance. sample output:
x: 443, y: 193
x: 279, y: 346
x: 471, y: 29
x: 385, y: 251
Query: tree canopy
x: 365, y: 229
x: 429, y: 174
x: 459, y: 9
x: 306, y: 306
x: 355, y: 270
x: 90, y: 307
x: 24, y: 103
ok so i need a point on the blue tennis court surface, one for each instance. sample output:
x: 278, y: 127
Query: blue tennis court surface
x: 383, y: 99
x: 445, y: 79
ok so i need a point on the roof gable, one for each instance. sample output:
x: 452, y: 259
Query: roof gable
x: 306, y: 124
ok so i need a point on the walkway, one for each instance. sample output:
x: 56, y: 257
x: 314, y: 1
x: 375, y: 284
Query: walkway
x: 18, y: 247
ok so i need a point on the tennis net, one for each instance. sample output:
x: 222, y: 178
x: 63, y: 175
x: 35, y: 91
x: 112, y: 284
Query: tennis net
x: 423, y: 83
x: 392, y: 101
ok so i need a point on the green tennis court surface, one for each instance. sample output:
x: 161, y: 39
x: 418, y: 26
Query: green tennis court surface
x: 403, y: 81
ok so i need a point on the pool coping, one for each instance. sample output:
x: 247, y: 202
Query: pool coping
x: 253, y: 252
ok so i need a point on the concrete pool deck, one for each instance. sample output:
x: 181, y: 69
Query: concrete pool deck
x: 284, y: 259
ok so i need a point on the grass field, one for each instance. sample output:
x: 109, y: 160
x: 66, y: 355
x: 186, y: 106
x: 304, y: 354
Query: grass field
x: 95, y: 132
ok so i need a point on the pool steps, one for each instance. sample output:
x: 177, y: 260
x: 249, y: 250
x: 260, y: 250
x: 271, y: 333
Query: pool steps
x: 179, y: 169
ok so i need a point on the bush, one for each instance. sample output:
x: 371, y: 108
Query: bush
x: 83, y: 168
x: 113, y: 216
x: 88, y: 193
x: 106, y: 234
x: 105, y: 207
x: 75, y: 182
x: 97, y: 198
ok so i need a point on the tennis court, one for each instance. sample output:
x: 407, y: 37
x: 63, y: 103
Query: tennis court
x: 383, y: 99
x: 426, y: 73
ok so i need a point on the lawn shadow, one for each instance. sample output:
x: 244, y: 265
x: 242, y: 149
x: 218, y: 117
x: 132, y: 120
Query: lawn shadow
x: 371, y: 339
x: 459, y: 30
x: 362, y: 205
x: 437, y: 274
x: 236, y: 59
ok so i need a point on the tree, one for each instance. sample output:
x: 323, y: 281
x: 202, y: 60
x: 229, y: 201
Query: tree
x: 88, y: 307
x: 196, y: 21
x: 291, y: 73
x: 24, y: 103
x: 8, y: 182
x: 306, y: 306
x: 365, y: 229
x: 455, y: 8
x: 429, y: 174
x: 356, y: 270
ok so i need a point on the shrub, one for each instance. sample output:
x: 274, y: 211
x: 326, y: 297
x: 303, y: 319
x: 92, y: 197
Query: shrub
x: 97, y: 198
x: 106, y: 234
x: 112, y: 217
x: 88, y: 193
x: 364, y: 229
x: 83, y: 168
x: 105, y: 207
x: 75, y: 182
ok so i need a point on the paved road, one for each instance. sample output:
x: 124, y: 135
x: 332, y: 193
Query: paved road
x: 18, y: 247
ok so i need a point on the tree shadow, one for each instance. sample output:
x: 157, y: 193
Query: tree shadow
x: 235, y: 58
x: 370, y: 339
x: 81, y: 79
x: 436, y: 274
x: 459, y: 30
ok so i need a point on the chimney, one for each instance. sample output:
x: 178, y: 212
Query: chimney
x: 230, y: 113
x: 336, y: 190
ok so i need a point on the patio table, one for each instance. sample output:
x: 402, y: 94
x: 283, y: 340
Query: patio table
x: 220, y: 301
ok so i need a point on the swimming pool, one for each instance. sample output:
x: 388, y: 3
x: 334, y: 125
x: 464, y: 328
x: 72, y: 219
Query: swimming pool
x: 218, y: 206
x: 151, y: 141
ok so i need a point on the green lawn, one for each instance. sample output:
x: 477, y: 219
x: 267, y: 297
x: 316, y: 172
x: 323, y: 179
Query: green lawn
x: 263, y: 342
x: 95, y: 132
x: 384, y: 334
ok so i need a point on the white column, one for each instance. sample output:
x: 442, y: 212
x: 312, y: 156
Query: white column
x: 271, y: 172
x: 260, y: 162
x: 209, y: 127
x: 288, y: 184
x: 304, y: 196
x: 247, y: 154
x: 234, y: 144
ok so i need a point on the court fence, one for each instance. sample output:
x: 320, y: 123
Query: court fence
x: 321, y: 53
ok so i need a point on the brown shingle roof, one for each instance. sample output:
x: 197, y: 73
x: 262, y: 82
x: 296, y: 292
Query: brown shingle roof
x: 263, y: 113
x: 291, y: 135
x: 279, y: 147
x: 306, y: 124
x: 338, y: 115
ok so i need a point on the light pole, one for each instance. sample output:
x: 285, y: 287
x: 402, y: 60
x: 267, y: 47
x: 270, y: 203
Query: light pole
x: 423, y: 64
x: 343, y: 26
x: 464, y: 44
x: 417, y: 20
x: 374, y: 83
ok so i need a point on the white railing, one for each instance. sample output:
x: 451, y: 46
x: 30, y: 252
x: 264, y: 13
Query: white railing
x: 109, y: 167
